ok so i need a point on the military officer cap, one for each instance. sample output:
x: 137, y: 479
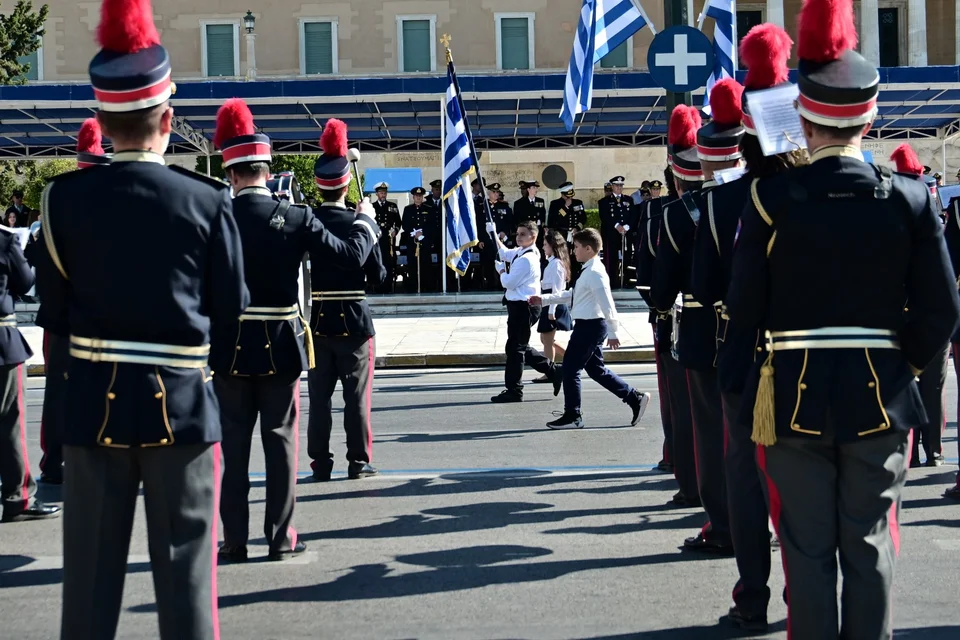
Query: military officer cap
x: 418, y: 191
x: 381, y: 186
x: 132, y: 69
x: 526, y: 185
x: 656, y: 184
x: 838, y: 86
x: 719, y: 141
x: 18, y: 193
x: 938, y: 176
x: 620, y: 180
x: 926, y: 170
x: 90, y: 145
x: 765, y: 51
x: 645, y: 185
x: 476, y: 181
x: 236, y: 136
x: 494, y: 186
x: 567, y: 189
x: 436, y: 184
x: 332, y: 170
x: 682, y: 136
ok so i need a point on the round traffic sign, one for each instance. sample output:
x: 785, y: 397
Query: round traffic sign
x: 680, y: 59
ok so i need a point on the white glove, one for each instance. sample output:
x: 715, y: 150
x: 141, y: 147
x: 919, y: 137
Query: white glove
x: 498, y: 266
x: 365, y: 207
x: 491, y: 229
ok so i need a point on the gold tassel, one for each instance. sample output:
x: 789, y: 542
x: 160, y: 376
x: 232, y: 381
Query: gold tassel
x: 764, y: 416
x: 308, y: 344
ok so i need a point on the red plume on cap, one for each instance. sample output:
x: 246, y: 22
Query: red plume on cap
x: 906, y: 160
x: 233, y: 119
x: 126, y: 26
x: 726, y: 102
x: 333, y: 140
x: 89, y: 140
x: 826, y: 30
x: 765, y: 51
x: 684, y: 122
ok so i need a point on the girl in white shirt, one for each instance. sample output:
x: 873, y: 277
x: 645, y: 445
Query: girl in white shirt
x: 555, y: 277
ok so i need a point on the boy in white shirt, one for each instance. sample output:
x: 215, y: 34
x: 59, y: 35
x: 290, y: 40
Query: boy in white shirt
x: 595, y: 318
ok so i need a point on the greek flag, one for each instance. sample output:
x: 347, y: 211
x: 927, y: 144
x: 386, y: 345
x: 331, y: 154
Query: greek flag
x: 604, y: 25
x: 459, y: 217
x: 724, y: 14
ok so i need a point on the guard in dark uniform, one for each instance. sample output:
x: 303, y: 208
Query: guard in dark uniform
x: 342, y: 326
x: 695, y: 327
x: 435, y: 197
x: 142, y: 406
x: 506, y: 228
x: 616, y: 220
x: 835, y: 398
x: 765, y: 51
x: 951, y: 234
x: 390, y: 223
x: 566, y: 215
x: 56, y: 332
x: 417, y: 218
x: 531, y: 207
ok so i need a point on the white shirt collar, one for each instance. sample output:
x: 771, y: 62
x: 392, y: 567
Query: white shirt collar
x: 138, y: 156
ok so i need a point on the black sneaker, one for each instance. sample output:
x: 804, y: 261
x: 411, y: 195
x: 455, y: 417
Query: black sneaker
x: 298, y: 549
x: 567, y: 421
x: 358, y: 470
x: 507, y: 396
x: 36, y: 511
x: 228, y: 553
x: 638, y: 403
x: 746, y: 622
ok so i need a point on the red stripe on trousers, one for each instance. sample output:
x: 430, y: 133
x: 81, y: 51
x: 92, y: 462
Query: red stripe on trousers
x: 23, y: 437
x: 893, y: 522
x: 214, y: 604
x: 775, y: 508
x: 371, y: 360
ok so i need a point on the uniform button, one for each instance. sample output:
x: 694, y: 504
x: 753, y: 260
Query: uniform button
x: 66, y: 376
x: 111, y: 396
x: 871, y: 385
x: 235, y: 372
x: 321, y: 315
x: 163, y: 441
x: 158, y: 395
x: 884, y: 426
x: 803, y: 386
x: 796, y: 426
x: 266, y: 346
x: 316, y: 333
x: 759, y: 348
x: 270, y: 373
x: 108, y: 441
x: 342, y: 316
x: 345, y: 334
x: 238, y: 347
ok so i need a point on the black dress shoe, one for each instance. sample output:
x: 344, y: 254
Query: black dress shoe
x: 666, y: 467
x: 228, y: 553
x: 915, y: 462
x: 507, y: 396
x: 322, y: 470
x: 953, y: 493
x: 297, y: 550
x: 358, y: 470
x: 680, y: 500
x: 567, y: 421
x: 746, y: 622
x: 50, y: 478
x: 638, y: 403
x: 36, y: 511
x: 701, y: 544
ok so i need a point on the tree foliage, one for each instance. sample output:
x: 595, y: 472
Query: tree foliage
x: 20, y: 33
x: 30, y: 176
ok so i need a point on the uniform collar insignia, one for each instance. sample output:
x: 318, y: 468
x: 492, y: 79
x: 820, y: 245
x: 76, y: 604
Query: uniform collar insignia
x: 138, y: 156
x: 255, y: 190
x: 834, y: 151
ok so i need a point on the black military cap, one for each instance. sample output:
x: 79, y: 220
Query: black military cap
x: 418, y: 191
x: 719, y: 141
x: 493, y: 186
x: 838, y: 86
x: 436, y: 184
x: 656, y: 184
x: 686, y: 165
x: 18, y: 193
x: 526, y: 185
x: 645, y: 185
x: 332, y: 169
x: 567, y: 189
x: 620, y: 180
x: 236, y: 136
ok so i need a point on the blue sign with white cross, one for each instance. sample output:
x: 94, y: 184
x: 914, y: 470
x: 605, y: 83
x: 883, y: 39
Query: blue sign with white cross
x: 680, y: 59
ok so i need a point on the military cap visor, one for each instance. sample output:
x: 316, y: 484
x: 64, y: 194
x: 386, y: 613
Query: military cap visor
x: 567, y: 187
x: 85, y: 160
x: 494, y: 186
x: 656, y: 184
x: 436, y: 184
x: 381, y: 186
x: 619, y: 180
x: 418, y: 191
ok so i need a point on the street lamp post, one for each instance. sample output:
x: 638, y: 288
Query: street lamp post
x: 249, y: 21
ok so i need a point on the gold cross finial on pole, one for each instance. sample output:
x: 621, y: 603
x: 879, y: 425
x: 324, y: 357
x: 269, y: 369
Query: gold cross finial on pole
x: 445, y: 40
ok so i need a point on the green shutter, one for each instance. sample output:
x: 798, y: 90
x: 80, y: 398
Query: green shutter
x: 32, y: 60
x: 514, y: 43
x: 220, y: 50
x: 616, y: 59
x: 416, y: 45
x: 318, y: 47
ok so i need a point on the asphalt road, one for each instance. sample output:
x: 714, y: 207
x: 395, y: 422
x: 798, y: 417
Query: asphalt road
x: 485, y: 525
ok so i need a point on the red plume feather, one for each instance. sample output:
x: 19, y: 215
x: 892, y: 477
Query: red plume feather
x: 726, y: 102
x: 90, y: 140
x: 333, y: 140
x: 906, y: 160
x: 233, y: 119
x: 684, y: 122
x: 765, y: 51
x: 826, y: 30
x: 126, y: 26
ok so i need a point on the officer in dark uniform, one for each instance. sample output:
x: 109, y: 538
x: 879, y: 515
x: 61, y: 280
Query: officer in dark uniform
x: 566, y: 216
x: 434, y: 198
x: 56, y: 332
x: 18, y: 208
x: 506, y: 228
x: 417, y: 218
x: 142, y: 406
x: 531, y: 207
x: 342, y: 326
x: 390, y: 223
x: 835, y: 398
x: 616, y: 219
x: 695, y: 327
x: 951, y: 234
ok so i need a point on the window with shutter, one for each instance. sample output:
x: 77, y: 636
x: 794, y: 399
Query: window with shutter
x: 417, y: 43
x: 618, y: 58
x: 318, y: 48
x: 221, y: 46
x: 34, y: 61
x: 514, y: 43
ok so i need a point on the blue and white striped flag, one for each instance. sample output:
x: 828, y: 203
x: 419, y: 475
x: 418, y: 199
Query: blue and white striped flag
x: 460, y: 221
x: 604, y: 25
x: 724, y: 14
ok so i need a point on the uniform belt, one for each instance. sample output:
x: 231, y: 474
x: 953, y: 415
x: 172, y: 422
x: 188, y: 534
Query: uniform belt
x: 271, y: 313
x: 166, y: 355
x: 8, y: 321
x: 832, y: 338
x: 690, y: 303
x: 339, y: 295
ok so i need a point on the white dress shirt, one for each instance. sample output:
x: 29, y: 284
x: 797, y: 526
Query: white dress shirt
x: 554, y: 279
x: 523, y: 278
x: 590, y: 297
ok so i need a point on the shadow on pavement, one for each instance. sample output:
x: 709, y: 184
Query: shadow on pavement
x: 13, y: 574
x: 444, y: 405
x: 428, y: 438
x: 720, y: 631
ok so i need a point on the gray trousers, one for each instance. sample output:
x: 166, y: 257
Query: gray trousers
x: 351, y: 361
x: 55, y: 411
x: 276, y: 401
x: 684, y: 460
x: 932, y: 383
x: 17, y: 485
x: 180, y: 489
x: 707, y: 410
x: 826, y: 497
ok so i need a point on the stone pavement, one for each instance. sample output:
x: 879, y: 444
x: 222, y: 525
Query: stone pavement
x: 412, y: 340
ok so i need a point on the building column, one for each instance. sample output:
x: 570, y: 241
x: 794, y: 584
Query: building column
x: 775, y: 12
x: 917, y: 33
x: 870, y: 31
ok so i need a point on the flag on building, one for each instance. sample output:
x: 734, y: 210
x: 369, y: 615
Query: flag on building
x: 460, y: 221
x: 724, y: 14
x: 604, y: 25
